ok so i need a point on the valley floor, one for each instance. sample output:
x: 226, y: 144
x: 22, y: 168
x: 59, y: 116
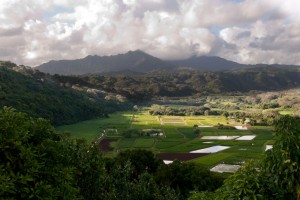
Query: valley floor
x: 175, y: 135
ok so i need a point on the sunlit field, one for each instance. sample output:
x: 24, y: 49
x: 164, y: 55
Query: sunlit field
x: 177, y: 135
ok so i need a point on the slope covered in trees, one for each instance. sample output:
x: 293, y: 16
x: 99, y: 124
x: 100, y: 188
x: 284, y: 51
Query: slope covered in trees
x: 41, y: 96
x: 189, y: 83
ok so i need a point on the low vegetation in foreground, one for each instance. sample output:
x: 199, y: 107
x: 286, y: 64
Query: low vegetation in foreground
x: 38, y: 163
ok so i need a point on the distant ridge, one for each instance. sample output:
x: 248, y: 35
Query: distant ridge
x: 139, y: 62
x: 207, y: 63
x: 135, y: 61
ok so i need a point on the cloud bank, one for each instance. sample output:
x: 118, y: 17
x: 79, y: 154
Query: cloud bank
x: 247, y: 31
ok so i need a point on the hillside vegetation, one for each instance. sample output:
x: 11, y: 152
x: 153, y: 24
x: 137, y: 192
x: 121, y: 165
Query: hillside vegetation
x: 39, y: 95
x: 196, y: 83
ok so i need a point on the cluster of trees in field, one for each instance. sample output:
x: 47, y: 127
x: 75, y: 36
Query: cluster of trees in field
x: 262, y: 118
x: 38, y: 163
x: 287, y: 99
x: 40, y: 95
x: 189, y: 83
x: 182, y: 111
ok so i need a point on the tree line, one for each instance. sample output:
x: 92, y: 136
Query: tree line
x: 194, y: 83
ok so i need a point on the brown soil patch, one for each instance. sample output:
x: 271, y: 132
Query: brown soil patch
x: 180, y: 156
x: 104, y: 144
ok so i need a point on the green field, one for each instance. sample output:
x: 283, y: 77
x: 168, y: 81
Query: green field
x: 178, y: 135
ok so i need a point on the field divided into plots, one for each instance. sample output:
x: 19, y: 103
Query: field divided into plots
x: 178, y: 136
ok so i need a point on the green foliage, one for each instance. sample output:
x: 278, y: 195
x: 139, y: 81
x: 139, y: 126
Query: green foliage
x: 144, y: 169
x: 246, y: 183
x: 203, y: 196
x: 186, y: 177
x: 141, y: 160
x: 34, y: 163
x: 123, y: 182
x: 282, y: 163
x: 37, y: 163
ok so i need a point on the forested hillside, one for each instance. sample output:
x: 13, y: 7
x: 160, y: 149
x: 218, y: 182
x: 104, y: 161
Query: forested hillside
x: 40, y: 95
x: 189, y: 83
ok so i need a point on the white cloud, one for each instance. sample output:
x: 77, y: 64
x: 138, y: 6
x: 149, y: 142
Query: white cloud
x: 249, y: 31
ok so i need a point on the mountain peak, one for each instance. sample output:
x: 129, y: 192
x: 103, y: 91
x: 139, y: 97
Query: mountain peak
x: 135, y: 61
x: 137, y: 52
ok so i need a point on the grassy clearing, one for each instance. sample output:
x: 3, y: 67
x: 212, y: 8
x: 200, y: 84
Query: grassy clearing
x: 172, y: 133
x: 205, y: 120
x: 187, y: 146
x: 143, y: 143
x: 125, y: 143
x: 187, y: 132
x: 242, y: 157
x: 218, y: 132
x: 286, y: 112
x: 92, y: 129
x: 167, y: 143
x: 88, y: 130
x: 213, y: 159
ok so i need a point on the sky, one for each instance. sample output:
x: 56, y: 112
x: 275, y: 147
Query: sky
x: 33, y: 32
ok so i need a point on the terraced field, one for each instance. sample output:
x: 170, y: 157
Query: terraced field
x: 178, y: 136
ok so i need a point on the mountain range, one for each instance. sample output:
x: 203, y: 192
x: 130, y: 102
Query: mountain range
x: 140, y: 62
x: 132, y: 61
